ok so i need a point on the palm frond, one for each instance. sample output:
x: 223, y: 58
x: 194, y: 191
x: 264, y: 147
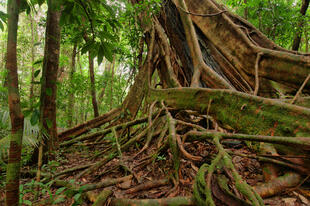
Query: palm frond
x: 30, y: 137
x: 5, y: 118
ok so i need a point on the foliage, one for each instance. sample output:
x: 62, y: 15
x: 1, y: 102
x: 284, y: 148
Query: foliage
x: 45, y: 189
x: 107, y: 30
x: 278, y: 19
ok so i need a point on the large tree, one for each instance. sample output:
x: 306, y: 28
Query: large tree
x: 49, y: 76
x: 217, y: 64
x: 17, y: 118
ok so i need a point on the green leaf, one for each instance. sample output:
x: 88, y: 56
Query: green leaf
x: 37, y: 44
x: 44, y: 191
x: 36, y: 73
x: 27, y: 202
x: 77, y: 197
x: 60, y: 190
x: 49, y: 123
x: 27, y: 112
x: 1, y: 26
x: 59, y: 200
x: 38, y: 62
x: 100, y: 54
x: 35, y: 117
x: 87, y: 47
x: 82, y: 188
x: 108, y: 51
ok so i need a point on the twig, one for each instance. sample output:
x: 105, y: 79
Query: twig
x: 300, y: 89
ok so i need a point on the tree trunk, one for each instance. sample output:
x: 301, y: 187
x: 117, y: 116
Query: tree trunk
x: 235, y: 64
x: 92, y: 85
x: 31, y: 96
x: 297, y: 38
x: 17, y: 118
x: 71, y: 95
x: 246, y: 10
x: 111, y: 82
x: 49, y: 76
x: 307, y: 40
x: 197, y: 43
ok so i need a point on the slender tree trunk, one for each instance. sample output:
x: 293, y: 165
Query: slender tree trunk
x: 246, y: 10
x: 71, y: 95
x: 3, y: 60
x: 112, y: 81
x: 92, y: 85
x: 49, y: 76
x: 297, y: 38
x: 31, y: 96
x: 17, y: 118
x: 307, y: 40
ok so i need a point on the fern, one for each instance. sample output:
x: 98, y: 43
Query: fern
x: 30, y: 136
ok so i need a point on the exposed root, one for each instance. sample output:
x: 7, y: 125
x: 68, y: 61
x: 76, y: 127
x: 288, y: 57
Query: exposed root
x: 171, y: 135
x: 87, y: 126
x: 259, y: 55
x: 278, y: 185
x: 102, y: 197
x: 174, y: 201
x: 185, y: 153
x: 212, y: 78
x: 148, y: 185
x: 90, y: 187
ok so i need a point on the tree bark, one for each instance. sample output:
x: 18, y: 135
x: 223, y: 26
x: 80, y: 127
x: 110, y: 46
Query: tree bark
x: 307, y: 39
x: 276, y: 64
x: 17, y: 118
x: 112, y: 81
x: 92, y: 85
x: 49, y: 76
x: 297, y: 38
x: 246, y: 9
x: 31, y: 96
x: 71, y: 94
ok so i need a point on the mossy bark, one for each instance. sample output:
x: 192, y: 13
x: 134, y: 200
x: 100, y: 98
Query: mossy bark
x: 17, y: 118
x: 245, y: 113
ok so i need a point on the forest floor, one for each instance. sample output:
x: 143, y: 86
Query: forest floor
x: 151, y: 176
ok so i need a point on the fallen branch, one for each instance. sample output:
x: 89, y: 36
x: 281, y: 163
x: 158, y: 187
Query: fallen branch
x: 87, y: 126
x: 106, y: 131
x: 89, y: 187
